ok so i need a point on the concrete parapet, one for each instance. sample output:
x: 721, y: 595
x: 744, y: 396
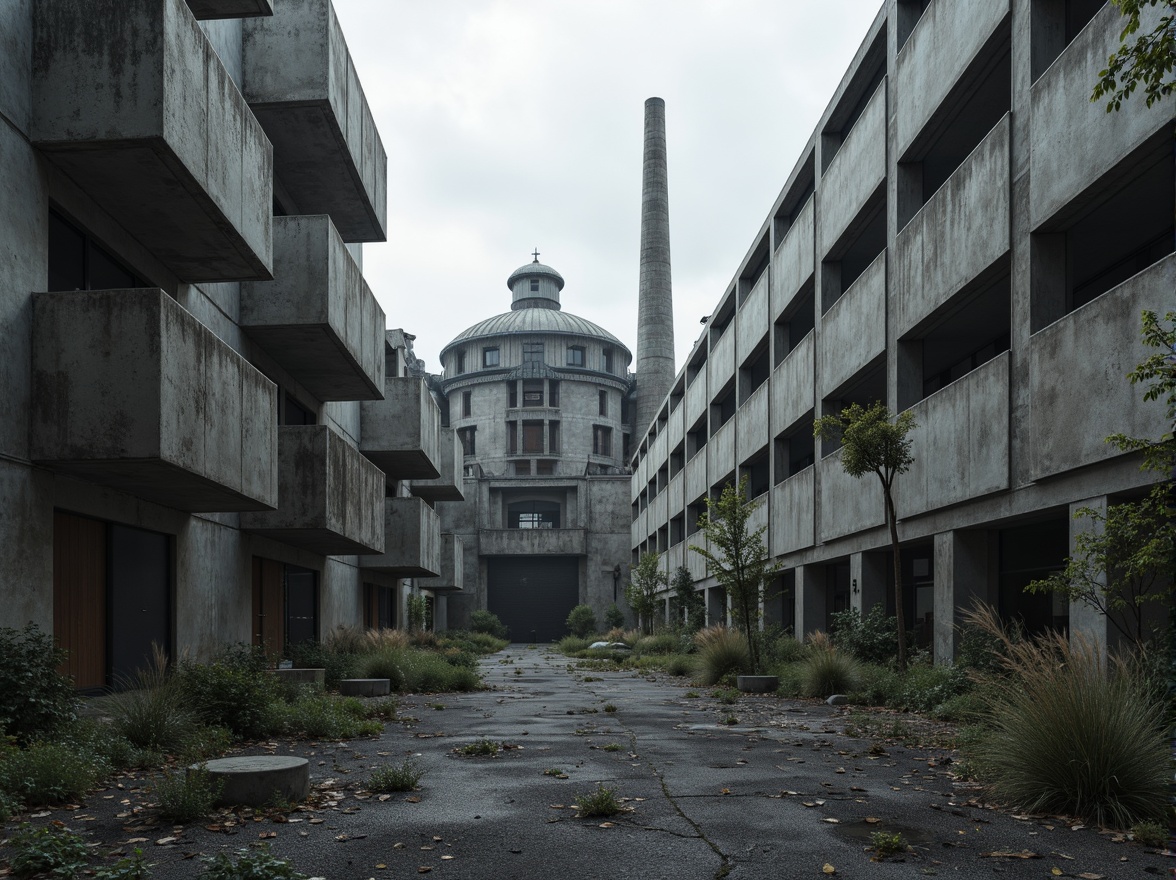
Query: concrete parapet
x: 793, y: 507
x: 853, y: 331
x: 412, y: 540
x: 131, y: 391
x: 792, y: 263
x: 365, y: 687
x: 858, y: 169
x: 532, y: 542
x: 401, y: 433
x: 452, y: 576
x: 136, y: 108
x: 217, y: 9
x: 792, y: 385
x: 450, y: 484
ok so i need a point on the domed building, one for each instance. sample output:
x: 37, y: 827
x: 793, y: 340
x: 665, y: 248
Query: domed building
x: 541, y: 402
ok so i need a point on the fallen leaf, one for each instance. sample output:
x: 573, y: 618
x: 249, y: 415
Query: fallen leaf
x: 1009, y: 854
x: 424, y: 869
x: 164, y: 841
x: 831, y: 820
x: 606, y: 825
x: 448, y: 858
x: 1088, y: 875
x: 1057, y: 872
x: 828, y: 869
x: 872, y: 820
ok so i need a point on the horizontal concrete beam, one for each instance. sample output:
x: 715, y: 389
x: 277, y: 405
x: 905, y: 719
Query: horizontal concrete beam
x: 532, y: 542
x: 213, y: 9
x: 131, y: 391
x: 136, y: 108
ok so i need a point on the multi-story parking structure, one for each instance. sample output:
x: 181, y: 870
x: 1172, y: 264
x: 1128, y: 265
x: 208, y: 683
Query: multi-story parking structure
x: 964, y: 236
x: 540, y: 403
x: 193, y: 369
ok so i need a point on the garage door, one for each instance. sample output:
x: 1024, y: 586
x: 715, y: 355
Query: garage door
x: 533, y: 595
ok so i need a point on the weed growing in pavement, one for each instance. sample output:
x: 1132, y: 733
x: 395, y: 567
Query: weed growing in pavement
x: 556, y: 772
x: 602, y: 802
x: 47, y: 851
x: 1149, y: 834
x: 887, y: 843
x: 612, y: 747
x: 731, y: 719
x: 133, y: 867
x: 692, y: 695
x: 49, y: 773
x: 260, y: 864
x: 186, y: 795
x: 480, y: 748
x: 404, y: 776
x: 609, y: 707
x: 726, y: 696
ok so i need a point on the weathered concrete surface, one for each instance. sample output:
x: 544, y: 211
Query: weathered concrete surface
x: 317, y: 318
x: 331, y: 498
x: 751, y: 321
x: 452, y: 576
x: 846, y: 504
x: 131, y: 391
x: 793, y: 386
x: 412, y: 540
x: 254, y: 780
x: 364, y: 687
x: 449, y: 485
x: 301, y: 85
x: 752, y: 421
x: 720, y: 366
x: 202, y: 9
x: 1078, y: 367
x: 959, y: 233
x: 135, y: 106
x: 532, y: 542
x: 401, y: 433
x: 793, y: 519
x: 853, y: 330
x: 792, y: 263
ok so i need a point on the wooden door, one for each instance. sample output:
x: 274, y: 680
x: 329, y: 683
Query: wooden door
x: 79, y: 597
x: 268, y: 613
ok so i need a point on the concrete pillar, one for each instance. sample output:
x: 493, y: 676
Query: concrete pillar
x: 655, y: 305
x: 810, y: 599
x: 440, y: 613
x: 867, y: 581
x: 1085, y: 619
x: 961, y: 578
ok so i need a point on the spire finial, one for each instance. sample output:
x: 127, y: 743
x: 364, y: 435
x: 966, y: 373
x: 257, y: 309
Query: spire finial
x: 535, y: 254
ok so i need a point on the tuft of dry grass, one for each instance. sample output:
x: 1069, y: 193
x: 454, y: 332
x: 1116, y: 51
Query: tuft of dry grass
x: 721, y: 651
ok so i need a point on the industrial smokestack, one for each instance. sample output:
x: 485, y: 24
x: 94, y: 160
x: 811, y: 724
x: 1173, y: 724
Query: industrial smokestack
x: 655, y: 304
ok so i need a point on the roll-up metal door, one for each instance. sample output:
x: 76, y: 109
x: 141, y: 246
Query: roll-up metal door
x: 533, y: 595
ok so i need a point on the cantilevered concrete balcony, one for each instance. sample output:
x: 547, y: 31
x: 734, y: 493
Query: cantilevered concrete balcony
x: 451, y: 579
x: 331, y: 498
x: 412, y: 545
x: 131, y: 391
x: 401, y: 433
x: 317, y: 318
x: 302, y: 86
x: 133, y: 105
x: 206, y: 9
x: 532, y: 542
x: 450, y: 486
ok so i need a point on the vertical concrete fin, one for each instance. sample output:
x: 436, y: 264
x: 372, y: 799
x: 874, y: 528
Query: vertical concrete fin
x: 655, y: 308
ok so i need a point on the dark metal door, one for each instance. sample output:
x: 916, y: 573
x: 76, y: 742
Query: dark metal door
x: 140, y: 598
x: 533, y: 595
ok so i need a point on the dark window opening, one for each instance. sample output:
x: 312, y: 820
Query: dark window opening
x: 379, y: 607
x: 532, y: 352
x: 553, y: 393
x: 533, y: 515
x: 723, y: 408
x: 294, y: 413
x: 302, y: 608
x: 545, y: 467
x: 606, y: 359
x: 865, y: 389
x: 853, y: 102
x: 663, y: 478
x: 677, y: 459
x: 553, y: 438
x: 512, y: 394
x: 534, y: 285
x: 696, y: 366
x: 522, y: 468
x: 1053, y: 26
x: 798, y: 196
x: 754, y: 372
x: 77, y: 262
x: 626, y: 441
x: 694, y: 512
x: 758, y: 470
x: 722, y: 320
x: 532, y: 392
x: 576, y: 356
x: 677, y: 529
x: 391, y: 363
x: 532, y: 437
x: 756, y: 266
x: 1028, y: 553
x: 696, y: 438
x: 795, y: 448
x: 467, y: 436
x: 602, y: 403
x: 459, y: 363
x: 512, y: 438
x: 601, y: 440
x: 795, y: 323
x: 677, y: 394
x: 490, y: 357
x: 467, y: 405
x: 862, y: 243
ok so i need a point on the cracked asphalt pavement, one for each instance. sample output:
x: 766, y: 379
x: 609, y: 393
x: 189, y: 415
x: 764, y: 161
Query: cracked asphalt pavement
x: 762, y: 787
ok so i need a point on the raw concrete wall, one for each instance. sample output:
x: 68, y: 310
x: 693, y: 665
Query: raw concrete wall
x: 853, y: 331
x: 792, y: 386
x: 857, y: 171
x: 720, y: 366
x: 412, y: 545
x: 533, y: 542
x: 401, y: 433
x: 752, y: 419
x: 792, y: 263
x: 751, y: 321
x: 846, y: 504
x: 793, y: 513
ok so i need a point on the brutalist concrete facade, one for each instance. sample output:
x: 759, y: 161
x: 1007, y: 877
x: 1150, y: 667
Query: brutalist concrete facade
x: 540, y: 401
x: 187, y: 333
x: 965, y: 236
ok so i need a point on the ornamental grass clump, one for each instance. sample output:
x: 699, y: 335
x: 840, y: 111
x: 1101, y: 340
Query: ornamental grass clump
x: 1071, y: 731
x: 827, y: 670
x: 721, y: 651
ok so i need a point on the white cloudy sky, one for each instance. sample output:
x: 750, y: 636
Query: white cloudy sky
x: 511, y: 124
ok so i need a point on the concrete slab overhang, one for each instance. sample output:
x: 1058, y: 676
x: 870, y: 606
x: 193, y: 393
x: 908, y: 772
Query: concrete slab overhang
x: 451, y: 579
x: 450, y: 485
x: 136, y: 108
x: 131, y: 391
x: 400, y: 433
x: 301, y: 84
x: 413, y: 540
x: 206, y: 9
x: 317, y: 318
x: 330, y: 498
x: 532, y: 542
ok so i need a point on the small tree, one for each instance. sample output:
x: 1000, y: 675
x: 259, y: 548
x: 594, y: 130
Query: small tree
x: 874, y: 441
x: 417, y: 610
x: 614, y: 616
x: 581, y: 621
x: 1149, y: 60
x: 739, y: 559
x: 691, y: 605
x: 646, y: 579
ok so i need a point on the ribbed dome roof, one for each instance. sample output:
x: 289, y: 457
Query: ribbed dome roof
x: 533, y: 321
x: 534, y: 269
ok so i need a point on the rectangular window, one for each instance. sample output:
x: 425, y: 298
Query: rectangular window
x: 603, y: 403
x: 490, y: 357
x: 553, y: 393
x: 545, y: 467
x: 553, y: 438
x: 534, y: 285
x: 601, y: 440
x: 532, y: 437
x: 77, y: 262
x: 466, y: 404
x: 294, y: 413
x: 522, y: 468
x: 606, y: 358
x: 512, y: 438
x: 513, y: 394
x: 459, y: 367
x: 532, y: 392
x: 576, y: 356
x: 532, y: 352
x: 466, y: 436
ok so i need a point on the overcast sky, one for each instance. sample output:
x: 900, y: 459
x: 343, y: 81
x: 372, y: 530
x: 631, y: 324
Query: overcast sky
x: 515, y: 124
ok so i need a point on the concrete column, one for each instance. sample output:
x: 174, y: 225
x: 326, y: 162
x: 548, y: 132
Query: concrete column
x: 440, y: 613
x: 655, y: 306
x: 810, y: 599
x: 961, y: 578
x: 867, y: 581
x: 1084, y: 619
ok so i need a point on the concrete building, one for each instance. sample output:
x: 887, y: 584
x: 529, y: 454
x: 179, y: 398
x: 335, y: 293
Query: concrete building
x: 540, y: 402
x: 965, y: 236
x: 207, y: 435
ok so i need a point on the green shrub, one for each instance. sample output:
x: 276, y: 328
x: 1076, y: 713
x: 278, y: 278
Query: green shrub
x: 133, y: 867
x: 258, y: 864
x: 49, y: 773
x: 416, y: 610
x: 35, y: 699
x: 827, y: 671
x: 870, y: 639
x: 48, y: 851
x: 924, y: 687
x: 320, y: 716
x: 102, y: 744
x: 886, y: 843
x: 680, y: 665
x: 385, y: 663
x: 721, y: 652
x: 474, y: 642
x: 661, y: 643
x: 1150, y: 834
x: 336, y: 663
x: 404, y: 776
x: 10, y: 805
x: 791, y: 676
x: 426, y: 672
x: 482, y: 748
x: 582, y: 621
x: 152, y: 712
x: 186, y: 795
x: 780, y: 646
x: 614, y: 617
x: 204, y: 742
x: 572, y: 645
x: 602, y: 802
x: 876, y: 685
x: 482, y: 621
x: 1071, y: 733
x: 236, y: 691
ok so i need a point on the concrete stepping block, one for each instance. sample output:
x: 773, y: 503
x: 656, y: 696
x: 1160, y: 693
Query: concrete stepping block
x: 302, y: 676
x: 365, y: 687
x: 254, y: 780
